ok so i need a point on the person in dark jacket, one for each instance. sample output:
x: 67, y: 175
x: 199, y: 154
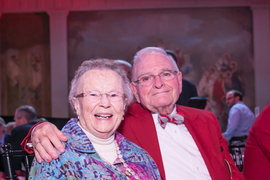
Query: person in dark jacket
x: 25, y: 117
x: 188, y: 88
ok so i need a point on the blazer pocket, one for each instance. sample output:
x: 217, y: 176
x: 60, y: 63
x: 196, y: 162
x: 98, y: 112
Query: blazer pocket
x: 229, y: 167
x: 225, y: 165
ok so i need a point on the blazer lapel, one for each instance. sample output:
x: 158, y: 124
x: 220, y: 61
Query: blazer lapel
x: 147, y: 136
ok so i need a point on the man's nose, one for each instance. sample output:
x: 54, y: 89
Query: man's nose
x: 158, y: 82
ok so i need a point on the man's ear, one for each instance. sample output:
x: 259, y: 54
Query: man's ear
x: 179, y: 76
x: 24, y: 120
x: 135, y: 91
x: 237, y: 98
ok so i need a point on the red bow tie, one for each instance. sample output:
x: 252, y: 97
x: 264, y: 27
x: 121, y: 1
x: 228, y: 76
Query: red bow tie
x: 175, y: 118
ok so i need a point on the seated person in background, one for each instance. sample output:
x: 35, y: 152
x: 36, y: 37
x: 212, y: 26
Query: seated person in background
x: 99, y: 95
x: 2, y: 141
x: 126, y: 66
x: 257, y: 150
x: 188, y: 88
x: 9, y: 127
x: 25, y: 117
x: 42, y: 119
x: 189, y: 146
x: 2, y: 131
x: 240, y: 118
x: 199, y: 102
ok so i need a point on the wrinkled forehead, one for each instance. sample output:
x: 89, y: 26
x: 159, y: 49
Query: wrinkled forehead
x: 144, y: 54
x: 100, y: 79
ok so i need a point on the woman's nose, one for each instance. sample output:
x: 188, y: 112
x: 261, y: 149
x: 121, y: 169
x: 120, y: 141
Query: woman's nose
x: 104, y: 101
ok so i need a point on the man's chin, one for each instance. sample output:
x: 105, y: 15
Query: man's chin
x: 161, y: 105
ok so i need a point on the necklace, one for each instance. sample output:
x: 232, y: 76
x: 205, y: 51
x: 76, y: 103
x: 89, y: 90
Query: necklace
x: 127, y: 171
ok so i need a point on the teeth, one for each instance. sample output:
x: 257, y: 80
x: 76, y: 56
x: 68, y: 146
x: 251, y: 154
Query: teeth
x: 103, y: 116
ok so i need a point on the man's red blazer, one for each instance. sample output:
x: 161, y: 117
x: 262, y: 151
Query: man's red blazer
x: 138, y: 126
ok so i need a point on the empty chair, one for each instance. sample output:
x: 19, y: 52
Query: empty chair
x: 8, y: 155
x: 237, y: 149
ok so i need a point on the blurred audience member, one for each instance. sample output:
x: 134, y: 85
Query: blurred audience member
x: 42, y: 119
x: 9, y: 127
x: 25, y: 117
x: 240, y: 118
x: 188, y: 88
x: 2, y: 131
x: 127, y: 67
x: 3, y: 140
x: 257, y: 150
x: 199, y: 102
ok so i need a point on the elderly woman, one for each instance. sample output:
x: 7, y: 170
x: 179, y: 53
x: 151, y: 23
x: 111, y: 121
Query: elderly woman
x: 99, y: 95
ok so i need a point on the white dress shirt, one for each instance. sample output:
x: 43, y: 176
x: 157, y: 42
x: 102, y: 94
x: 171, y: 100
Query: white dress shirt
x: 180, y: 154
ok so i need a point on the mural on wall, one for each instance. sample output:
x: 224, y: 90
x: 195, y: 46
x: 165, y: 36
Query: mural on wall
x: 25, y: 63
x: 213, y: 45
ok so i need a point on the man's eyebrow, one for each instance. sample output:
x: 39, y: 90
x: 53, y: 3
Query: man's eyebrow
x: 144, y: 73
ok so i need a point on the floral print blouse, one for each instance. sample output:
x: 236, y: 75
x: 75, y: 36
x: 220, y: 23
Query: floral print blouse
x: 81, y: 161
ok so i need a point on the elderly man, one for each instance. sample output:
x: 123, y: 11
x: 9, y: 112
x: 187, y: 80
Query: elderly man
x: 188, y: 88
x: 191, y: 146
x: 240, y: 118
x: 25, y: 117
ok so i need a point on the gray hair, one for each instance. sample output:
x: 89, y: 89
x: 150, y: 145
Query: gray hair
x: 152, y: 50
x: 100, y: 64
x: 26, y: 111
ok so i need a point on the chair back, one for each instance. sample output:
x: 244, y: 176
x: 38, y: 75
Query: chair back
x: 237, y: 153
x: 237, y: 150
x: 238, y: 140
x: 8, y: 155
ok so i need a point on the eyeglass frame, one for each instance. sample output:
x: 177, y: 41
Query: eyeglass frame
x: 227, y: 99
x: 82, y: 95
x: 154, y: 76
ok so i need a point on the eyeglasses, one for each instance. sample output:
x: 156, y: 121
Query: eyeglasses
x: 229, y: 98
x: 147, y: 80
x: 94, y: 96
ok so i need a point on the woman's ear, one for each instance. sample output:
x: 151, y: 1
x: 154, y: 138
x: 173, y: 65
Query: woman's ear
x: 76, y: 105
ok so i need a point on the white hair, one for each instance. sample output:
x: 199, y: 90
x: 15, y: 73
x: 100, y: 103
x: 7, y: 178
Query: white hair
x: 152, y: 50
